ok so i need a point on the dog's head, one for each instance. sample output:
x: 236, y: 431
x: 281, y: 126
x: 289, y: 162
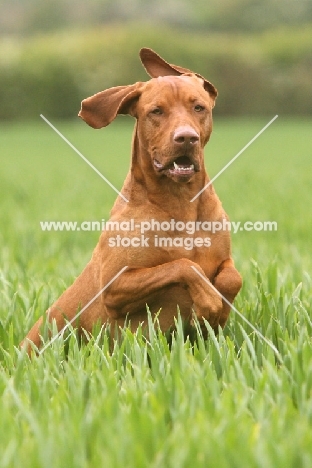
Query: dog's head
x: 173, y: 112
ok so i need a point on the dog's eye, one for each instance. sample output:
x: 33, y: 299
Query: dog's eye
x: 199, y: 108
x: 157, y: 111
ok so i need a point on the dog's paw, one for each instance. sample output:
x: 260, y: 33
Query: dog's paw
x: 209, y: 308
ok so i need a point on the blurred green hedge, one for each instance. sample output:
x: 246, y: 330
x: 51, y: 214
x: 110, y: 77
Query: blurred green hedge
x: 255, y: 74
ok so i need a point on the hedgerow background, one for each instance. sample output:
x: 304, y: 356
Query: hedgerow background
x: 257, y: 53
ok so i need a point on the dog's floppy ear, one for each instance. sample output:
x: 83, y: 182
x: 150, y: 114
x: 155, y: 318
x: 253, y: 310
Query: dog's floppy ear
x: 101, y: 109
x: 157, y: 66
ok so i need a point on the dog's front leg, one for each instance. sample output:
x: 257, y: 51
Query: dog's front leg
x: 137, y: 287
x: 228, y: 282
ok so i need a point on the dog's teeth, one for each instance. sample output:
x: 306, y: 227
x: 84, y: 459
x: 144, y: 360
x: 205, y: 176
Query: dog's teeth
x: 183, y: 169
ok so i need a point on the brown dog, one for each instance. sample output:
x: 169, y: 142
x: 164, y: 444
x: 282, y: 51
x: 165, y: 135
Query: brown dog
x: 159, y: 234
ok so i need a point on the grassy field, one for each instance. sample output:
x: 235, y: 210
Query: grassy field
x: 228, y: 402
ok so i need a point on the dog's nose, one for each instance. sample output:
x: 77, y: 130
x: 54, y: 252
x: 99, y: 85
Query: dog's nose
x: 185, y: 135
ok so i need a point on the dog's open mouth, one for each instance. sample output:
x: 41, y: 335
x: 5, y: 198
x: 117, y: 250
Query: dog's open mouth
x: 181, y: 166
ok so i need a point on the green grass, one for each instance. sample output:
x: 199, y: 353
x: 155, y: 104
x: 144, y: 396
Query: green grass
x: 227, y: 402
